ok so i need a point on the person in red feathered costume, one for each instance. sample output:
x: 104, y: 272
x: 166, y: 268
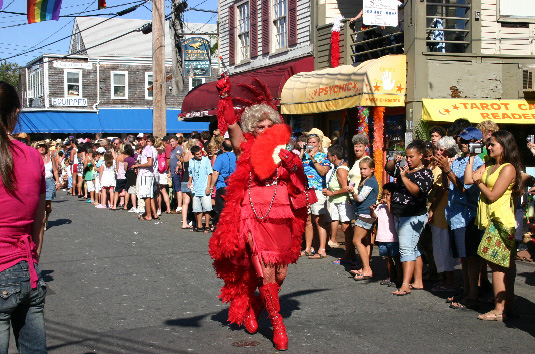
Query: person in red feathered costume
x: 260, y: 229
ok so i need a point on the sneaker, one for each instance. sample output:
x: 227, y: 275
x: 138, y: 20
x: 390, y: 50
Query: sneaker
x: 89, y: 201
x: 178, y: 210
x: 133, y: 210
x: 159, y: 212
x: 100, y: 206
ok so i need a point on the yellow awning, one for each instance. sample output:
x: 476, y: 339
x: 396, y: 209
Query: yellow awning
x: 376, y: 82
x: 500, y: 111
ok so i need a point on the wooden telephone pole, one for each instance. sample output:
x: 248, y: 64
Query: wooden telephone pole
x: 158, y: 68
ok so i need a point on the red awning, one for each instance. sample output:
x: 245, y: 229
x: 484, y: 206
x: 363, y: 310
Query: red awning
x: 202, y: 100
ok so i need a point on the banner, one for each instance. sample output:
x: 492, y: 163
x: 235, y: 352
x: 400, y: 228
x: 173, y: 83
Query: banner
x: 43, y: 10
x: 500, y: 111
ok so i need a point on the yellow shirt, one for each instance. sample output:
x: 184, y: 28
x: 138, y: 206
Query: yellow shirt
x: 501, y: 210
x: 439, y: 214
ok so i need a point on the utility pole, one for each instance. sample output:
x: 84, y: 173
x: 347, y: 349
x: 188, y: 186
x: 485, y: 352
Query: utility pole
x: 177, y: 33
x: 158, y: 68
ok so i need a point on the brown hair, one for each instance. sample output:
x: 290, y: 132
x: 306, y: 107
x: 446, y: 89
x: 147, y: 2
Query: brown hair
x: 9, y: 115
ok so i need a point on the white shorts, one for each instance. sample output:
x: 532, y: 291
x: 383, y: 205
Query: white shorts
x: 320, y: 207
x: 98, y: 187
x: 162, y: 179
x: 146, y: 187
x: 202, y: 204
x: 90, y: 186
x: 341, y: 211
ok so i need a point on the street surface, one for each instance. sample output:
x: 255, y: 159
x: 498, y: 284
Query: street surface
x: 120, y: 285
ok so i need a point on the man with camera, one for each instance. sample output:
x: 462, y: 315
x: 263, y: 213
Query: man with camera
x: 461, y: 211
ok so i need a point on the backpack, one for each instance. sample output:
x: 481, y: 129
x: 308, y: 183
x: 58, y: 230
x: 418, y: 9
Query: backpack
x: 162, y: 163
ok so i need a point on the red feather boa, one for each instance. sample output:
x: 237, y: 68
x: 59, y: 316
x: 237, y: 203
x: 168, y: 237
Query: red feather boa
x: 335, y: 49
x: 228, y: 247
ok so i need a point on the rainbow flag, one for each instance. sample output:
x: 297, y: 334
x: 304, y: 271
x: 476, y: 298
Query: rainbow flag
x: 43, y: 10
x: 1, y: 4
x: 101, y: 4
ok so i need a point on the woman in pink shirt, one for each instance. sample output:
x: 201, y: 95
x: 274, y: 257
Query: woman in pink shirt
x: 22, y: 196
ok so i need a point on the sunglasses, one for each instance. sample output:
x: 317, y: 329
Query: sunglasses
x: 312, y: 135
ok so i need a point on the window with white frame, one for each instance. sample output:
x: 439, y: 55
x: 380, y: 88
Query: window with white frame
x: 119, y: 84
x: 196, y: 81
x: 36, y: 85
x: 73, y: 83
x: 148, y: 84
x: 243, y: 31
x: 280, y: 32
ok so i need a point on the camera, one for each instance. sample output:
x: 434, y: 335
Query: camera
x: 531, y: 139
x: 402, y: 163
x: 475, y: 148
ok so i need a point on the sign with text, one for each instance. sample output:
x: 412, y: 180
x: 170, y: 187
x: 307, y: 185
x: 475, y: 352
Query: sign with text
x: 500, y: 111
x: 196, y: 57
x: 380, y: 12
x: 72, y: 65
x: 69, y: 102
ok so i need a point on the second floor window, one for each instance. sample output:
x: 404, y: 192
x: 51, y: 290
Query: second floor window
x: 73, y: 83
x: 148, y: 84
x: 280, y: 11
x: 243, y: 32
x: 119, y: 84
x: 195, y: 81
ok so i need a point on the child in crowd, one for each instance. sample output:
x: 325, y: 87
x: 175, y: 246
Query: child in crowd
x: 365, y: 196
x: 107, y: 179
x: 67, y: 175
x: 200, y: 174
x: 99, y: 160
x: 89, y: 178
x: 161, y: 180
x: 387, y: 238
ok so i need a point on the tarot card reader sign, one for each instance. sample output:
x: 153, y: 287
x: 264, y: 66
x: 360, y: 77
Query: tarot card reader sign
x: 380, y: 13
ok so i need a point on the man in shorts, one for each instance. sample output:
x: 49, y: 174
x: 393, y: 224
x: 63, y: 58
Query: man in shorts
x: 146, y: 176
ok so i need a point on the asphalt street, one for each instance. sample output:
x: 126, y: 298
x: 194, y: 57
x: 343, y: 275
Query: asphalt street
x: 120, y: 285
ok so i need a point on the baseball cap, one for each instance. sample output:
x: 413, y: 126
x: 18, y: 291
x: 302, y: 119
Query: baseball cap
x: 101, y: 150
x: 471, y: 133
x: 141, y: 135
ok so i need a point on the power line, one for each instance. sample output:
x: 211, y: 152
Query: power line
x: 120, y: 13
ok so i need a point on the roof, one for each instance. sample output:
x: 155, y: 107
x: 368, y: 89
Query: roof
x: 135, y: 44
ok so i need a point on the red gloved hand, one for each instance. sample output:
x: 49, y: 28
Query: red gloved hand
x: 223, y: 86
x: 293, y: 164
x: 288, y: 159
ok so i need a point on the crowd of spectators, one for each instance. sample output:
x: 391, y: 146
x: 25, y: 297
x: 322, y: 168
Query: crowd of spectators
x: 430, y: 215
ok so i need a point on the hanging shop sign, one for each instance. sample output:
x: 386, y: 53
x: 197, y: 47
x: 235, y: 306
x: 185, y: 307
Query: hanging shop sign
x: 500, y: 111
x: 380, y: 12
x: 69, y: 102
x: 196, y: 57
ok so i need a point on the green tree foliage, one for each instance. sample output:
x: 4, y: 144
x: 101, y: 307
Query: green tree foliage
x: 9, y: 72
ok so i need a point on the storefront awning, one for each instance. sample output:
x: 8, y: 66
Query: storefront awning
x: 202, y: 100
x: 106, y: 120
x: 500, y: 111
x: 376, y: 82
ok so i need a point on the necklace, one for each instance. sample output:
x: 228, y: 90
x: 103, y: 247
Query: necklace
x: 272, y: 199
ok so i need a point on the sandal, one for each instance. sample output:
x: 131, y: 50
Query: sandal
x: 207, y: 230
x: 360, y: 277
x: 401, y: 293
x: 197, y: 229
x: 492, y: 316
x: 465, y: 304
x: 414, y: 288
x: 142, y: 218
x: 318, y: 256
x: 306, y: 253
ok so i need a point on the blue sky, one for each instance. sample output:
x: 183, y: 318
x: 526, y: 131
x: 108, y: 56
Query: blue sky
x: 16, y: 36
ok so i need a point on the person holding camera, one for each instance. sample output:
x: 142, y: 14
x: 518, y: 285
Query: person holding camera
x: 316, y: 165
x: 461, y: 213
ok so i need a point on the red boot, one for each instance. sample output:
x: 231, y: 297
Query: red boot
x: 255, y: 309
x: 270, y: 295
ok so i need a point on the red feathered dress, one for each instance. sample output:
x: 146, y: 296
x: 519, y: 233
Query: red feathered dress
x: 276, y: 238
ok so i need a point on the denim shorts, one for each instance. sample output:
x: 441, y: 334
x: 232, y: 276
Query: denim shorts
x: 50, y: 189
x: 23, y: 307
x: 202, y: 204
x: 184, y: 187
x: 388, y: 249
x: 176, y: 182
x: 409, y: 229
x: 363, y: 222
